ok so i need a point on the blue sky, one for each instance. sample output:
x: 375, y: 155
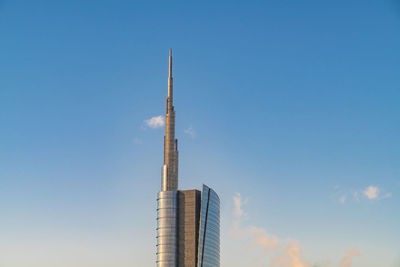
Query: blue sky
x: 292, y: 104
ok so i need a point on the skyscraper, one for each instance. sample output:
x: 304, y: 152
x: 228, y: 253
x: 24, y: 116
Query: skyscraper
x: 188, y: 221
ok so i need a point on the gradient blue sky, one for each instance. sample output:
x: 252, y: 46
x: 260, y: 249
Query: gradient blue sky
x: 293, y: 104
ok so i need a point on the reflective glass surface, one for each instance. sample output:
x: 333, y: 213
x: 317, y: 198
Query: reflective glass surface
x: 167, y: 209
x: 209, y: 236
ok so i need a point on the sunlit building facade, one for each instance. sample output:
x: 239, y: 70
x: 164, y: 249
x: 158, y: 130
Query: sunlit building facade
x: 188, y: 221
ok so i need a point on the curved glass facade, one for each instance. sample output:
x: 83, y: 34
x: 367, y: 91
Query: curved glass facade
x: 209, y: 232
x: 186, y: 229
x: 167, y: 231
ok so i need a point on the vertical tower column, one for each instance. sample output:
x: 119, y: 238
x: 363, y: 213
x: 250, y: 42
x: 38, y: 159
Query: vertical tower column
x: 167, y: 201
x: 170, y: 167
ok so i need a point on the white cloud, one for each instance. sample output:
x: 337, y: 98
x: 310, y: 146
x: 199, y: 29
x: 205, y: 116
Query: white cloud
x: 342, y: 199
x: 371, y: 192
x: 190, y: 131
x: 155, y: 122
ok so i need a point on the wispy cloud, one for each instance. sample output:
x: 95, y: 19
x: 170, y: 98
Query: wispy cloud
x: 342, y: 199
x: 155, y: 122
x: 387, y: 195
x: 356, y: 196
x: 190, y: 131
x: 371, y: 192
x: 347, y: 261
x: 284, y: 254
x: 238, y: 211
x: 279, y: 252
x: 339, y: 194
x: 137, y: 141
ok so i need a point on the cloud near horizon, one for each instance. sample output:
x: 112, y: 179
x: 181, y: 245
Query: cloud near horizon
x: 283, y: 254
x: 347, y: 261
x: 279, y: 252
x: 155, y: 122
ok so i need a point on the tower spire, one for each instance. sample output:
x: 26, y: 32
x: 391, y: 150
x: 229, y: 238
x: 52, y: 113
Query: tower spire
x: 170, y: 62
x: 170, y: 167
x: 170, y: 76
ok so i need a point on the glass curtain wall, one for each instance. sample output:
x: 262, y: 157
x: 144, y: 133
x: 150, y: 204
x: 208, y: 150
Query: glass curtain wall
x: 167, y: 236
x: 209, y: 233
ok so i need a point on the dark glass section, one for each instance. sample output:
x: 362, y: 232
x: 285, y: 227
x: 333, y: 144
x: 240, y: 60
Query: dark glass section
x: 189, y: 203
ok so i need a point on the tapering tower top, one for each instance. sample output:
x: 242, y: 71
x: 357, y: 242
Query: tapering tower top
x: 170, y: 167
x: 170, y: 62
x: 170, y: 75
